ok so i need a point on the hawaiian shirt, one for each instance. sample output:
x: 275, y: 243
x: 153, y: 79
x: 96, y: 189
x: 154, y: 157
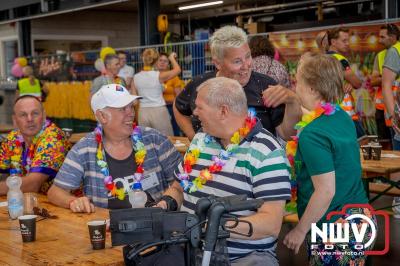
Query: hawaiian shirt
x: 49, y: 151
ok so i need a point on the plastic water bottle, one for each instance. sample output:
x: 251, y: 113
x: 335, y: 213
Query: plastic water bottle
x: 137, y: 197
x: 15, y: 197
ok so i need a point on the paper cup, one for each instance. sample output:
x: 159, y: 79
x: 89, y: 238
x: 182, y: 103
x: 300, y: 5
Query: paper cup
x: 27, y: 225
x: 366, y: 151
x: 97, y: 233
x: 376, y: 151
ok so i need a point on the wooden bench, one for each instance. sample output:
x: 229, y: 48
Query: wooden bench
x: 380, y: 188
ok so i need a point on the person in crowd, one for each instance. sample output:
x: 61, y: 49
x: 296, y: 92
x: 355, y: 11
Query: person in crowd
x: 391, y: 72
x: 126, y: 72
x: 109, y: 160
x: 148, y: 83
x: 327, y: 159
x: 390, y: 87
x: 29, y: 85
x: 388, y: 36
x: 112, y: 67
x: 338, y: 39
x: 172, y: 88
x: 263, y: 53
x: 322, y: 41
x: 234, y: 155
x: 35, y: 150
x: 276, y: 106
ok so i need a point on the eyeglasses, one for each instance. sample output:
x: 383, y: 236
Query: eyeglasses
x: 44, y: 213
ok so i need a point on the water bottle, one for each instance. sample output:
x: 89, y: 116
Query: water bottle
x: 137, y: 197
x: 15, y: 197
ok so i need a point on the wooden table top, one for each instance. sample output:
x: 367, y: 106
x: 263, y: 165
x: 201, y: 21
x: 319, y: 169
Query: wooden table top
x: 61, y: 241
x: 180, y: 143
x: 4, y: 128
x: 385, y: 166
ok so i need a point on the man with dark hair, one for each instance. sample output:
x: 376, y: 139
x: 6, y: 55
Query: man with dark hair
x: 126, y: 72
x: 338, y: 40
x: 35, y: 150
x: 112, y: 66
x: 388, y: 35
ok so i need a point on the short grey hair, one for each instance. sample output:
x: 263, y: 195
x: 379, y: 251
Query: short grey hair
x: 225, y: 91
x: 226, y: 37
x: 109, y: 58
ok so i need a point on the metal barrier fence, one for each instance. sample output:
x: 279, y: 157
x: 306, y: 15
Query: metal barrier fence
x: 194, y: 57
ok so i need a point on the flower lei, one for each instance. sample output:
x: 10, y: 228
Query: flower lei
x: 140, y: 154
x: 219, y: 161
x: 22, y: 158
x: 291, y: 146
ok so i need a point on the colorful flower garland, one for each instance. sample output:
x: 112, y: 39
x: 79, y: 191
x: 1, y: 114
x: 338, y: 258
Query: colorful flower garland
x: 22, y: 158
x: 291, y: 146
x: 219, y: 161
x: 140, y: 154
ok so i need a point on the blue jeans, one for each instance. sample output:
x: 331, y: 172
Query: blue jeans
x: 395, y: 140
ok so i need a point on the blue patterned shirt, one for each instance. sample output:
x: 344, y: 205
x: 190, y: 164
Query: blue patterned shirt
x: 80, y: 167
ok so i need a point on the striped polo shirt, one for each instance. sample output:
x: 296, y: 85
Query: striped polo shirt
x: 80, y: 167
x: 258, y: 168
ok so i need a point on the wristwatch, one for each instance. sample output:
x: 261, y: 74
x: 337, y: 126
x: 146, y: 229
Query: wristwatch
x: 172, y: 205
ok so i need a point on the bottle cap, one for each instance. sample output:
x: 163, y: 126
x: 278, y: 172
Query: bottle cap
x: 137, y: 185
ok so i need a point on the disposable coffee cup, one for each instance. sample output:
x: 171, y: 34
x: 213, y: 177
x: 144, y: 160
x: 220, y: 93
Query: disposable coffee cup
x: 366, y: 151
x: 67, y: 132
x: 97, y: 233
x: 376, y: 151
x: 373, y: 138
x: 30, y: 202
x: 27, y: 225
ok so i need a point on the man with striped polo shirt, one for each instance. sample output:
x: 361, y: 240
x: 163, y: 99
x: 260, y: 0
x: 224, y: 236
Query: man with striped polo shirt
x: 256, y: 166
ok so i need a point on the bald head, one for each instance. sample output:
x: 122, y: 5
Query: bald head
x: 28, y: 115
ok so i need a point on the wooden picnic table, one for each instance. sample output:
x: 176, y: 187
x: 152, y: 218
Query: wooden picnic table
x: 181, y: 143
x: 61, y: 241
x: 388, y: 164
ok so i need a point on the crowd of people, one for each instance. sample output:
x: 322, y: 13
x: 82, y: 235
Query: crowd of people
x: 238, y: 118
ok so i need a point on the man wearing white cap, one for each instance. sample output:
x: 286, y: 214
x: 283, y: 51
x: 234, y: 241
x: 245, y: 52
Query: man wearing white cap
x: 108, y: 161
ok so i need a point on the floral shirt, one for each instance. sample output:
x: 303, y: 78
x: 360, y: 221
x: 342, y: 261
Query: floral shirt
x: 49, y: 150
x: 270, y: 67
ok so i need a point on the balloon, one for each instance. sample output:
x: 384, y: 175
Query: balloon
x: 16, y: 71
x: 276, y: 55
x: 106, y: 51
x: 99, y: 65
x: 22, y: 61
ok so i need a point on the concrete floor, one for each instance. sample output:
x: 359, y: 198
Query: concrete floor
x: 392, y: 258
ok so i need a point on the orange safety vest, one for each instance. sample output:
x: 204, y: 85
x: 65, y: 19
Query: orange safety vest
x: 348, y: 101
x: 395, y: 88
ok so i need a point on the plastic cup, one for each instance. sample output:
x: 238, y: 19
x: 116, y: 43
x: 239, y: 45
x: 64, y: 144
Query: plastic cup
x: 27, y: 225
x: 67, y: 132
x: 97, y: 233
x: 366, y: 151
x: 30, y: 202
x: 376, y: 151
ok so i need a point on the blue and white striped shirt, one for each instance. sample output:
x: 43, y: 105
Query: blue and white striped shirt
x: 80, y: 166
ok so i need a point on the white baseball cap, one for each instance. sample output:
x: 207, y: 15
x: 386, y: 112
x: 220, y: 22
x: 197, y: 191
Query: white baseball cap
x: 112, y: 95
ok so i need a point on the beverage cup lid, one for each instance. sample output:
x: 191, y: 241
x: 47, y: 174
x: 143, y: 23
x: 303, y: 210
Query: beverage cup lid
x: 96, y: 222
x: 27, y: 217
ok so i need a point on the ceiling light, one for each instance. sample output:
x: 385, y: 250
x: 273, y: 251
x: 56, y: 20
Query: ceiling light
x: 201, y: 5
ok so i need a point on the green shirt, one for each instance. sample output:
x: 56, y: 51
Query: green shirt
x: 329, y: 144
